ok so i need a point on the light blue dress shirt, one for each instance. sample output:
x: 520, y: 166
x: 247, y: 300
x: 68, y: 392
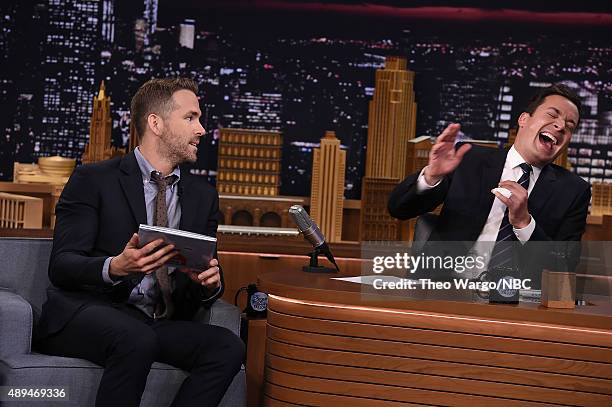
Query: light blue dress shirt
x: 145, y: 295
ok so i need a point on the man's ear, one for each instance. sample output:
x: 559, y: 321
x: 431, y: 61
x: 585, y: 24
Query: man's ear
x: 522, y: 120
x: 155, y: 123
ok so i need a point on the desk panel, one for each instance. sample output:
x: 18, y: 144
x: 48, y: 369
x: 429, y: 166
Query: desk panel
x: 329, y: 352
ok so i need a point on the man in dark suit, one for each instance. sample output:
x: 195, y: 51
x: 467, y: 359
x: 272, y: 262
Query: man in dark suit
x: 549, y: 204
x: 109, y: 304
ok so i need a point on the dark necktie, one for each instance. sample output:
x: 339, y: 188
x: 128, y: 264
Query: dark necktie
x: 161, y: 219
x: 502, y: 252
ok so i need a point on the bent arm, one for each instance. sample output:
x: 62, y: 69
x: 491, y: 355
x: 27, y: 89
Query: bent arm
x: 208, y: 296
x: 574, y: 222
x: 565, y: 244
x: 406, y: 201
x: 72, y: 266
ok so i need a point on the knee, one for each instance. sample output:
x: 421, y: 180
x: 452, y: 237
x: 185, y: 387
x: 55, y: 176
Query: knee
x: 238, y: 349
x: 234, y: 349
x: 228, y: 349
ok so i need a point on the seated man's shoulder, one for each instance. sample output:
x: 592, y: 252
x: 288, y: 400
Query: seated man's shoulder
x: 199, y: 182
x: 93, y: 176
x: 569, y: 178
x: 100, y: 168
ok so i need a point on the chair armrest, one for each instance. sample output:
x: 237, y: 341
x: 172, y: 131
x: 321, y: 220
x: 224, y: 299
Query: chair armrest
x: 16, y: 320
x: 222, y: 314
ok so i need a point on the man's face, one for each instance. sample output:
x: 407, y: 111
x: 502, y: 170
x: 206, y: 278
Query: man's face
x: 182, y: 129
x: 545, y: 133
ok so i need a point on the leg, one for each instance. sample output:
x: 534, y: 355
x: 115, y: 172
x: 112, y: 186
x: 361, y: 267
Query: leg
x: 212, y: 354
x: 124, y: 345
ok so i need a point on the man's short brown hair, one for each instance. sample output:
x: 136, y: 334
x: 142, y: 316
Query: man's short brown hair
x: 555, y: 89
x: 155, y: 96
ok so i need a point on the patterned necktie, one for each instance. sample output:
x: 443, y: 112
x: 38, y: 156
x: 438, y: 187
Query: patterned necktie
x: 161, y: 219
x: 502, y: 252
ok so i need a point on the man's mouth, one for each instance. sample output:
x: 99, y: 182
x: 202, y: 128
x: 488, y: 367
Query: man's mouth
x: 548, y: 140
x: 193, y: 143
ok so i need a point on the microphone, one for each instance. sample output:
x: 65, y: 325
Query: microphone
x: 311, y: 232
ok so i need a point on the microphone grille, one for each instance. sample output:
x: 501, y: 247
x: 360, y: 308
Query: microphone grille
x: 300, y: 217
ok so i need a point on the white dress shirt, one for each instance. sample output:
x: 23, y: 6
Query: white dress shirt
x: 512, y: 172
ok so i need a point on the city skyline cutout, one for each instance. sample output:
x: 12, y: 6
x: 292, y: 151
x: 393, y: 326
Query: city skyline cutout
x: 297, y: 84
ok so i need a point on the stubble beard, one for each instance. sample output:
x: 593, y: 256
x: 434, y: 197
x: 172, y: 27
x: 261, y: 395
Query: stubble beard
x: 174, y: 152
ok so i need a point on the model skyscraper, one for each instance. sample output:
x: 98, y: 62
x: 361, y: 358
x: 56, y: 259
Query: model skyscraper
x: 327, y: 189
x: 601, y: 203
x: 249, y: 162
x: 100, y: 147
x: 392, y: 122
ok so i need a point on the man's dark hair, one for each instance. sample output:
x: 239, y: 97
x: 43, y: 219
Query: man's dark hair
x: 556, y: 89
x: 155, y: 96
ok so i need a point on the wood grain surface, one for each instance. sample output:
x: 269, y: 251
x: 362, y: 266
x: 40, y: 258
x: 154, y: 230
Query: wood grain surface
x: 327, y: 345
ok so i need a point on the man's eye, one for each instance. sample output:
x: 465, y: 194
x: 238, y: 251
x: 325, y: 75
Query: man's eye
x: 189, y: 118
x: 554, y: 116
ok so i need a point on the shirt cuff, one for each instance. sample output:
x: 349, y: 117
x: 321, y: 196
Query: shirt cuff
x: 215, y: 293
x: 524, y: 234
x: 106, y: 274
x: 422, y: 186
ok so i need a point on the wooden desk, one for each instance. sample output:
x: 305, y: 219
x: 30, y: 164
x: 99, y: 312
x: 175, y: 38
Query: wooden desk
x: 256, y: 347
x: 329, y: 345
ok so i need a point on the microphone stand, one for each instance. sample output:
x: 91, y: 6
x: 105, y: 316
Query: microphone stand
x: 314, y: 267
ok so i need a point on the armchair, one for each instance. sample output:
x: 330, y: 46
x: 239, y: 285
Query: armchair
x: 23, y: 284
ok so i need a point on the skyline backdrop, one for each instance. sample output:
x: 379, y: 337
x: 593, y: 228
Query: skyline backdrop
x: 298, y: 73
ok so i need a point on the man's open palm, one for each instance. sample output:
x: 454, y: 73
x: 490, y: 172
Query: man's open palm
x: 443, y: 158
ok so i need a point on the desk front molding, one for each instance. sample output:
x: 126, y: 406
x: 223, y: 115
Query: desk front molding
x: 327, y: 345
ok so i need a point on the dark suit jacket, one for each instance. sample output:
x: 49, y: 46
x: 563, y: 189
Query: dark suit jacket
x: 558, y: 202
x: 100, y: 208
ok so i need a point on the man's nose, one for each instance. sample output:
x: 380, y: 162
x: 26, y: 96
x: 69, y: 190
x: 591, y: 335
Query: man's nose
x: 201, y: 130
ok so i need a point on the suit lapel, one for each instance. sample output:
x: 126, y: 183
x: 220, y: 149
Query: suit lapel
x: 542, y: 190
x: 491, y: 174
x: 131, y: 183
x: 188, y: 201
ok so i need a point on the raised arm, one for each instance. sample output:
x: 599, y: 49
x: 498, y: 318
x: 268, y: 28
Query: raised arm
x: 424, y: 191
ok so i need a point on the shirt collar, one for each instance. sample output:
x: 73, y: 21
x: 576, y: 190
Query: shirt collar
x: 146, y: 168
x: 514, y: 159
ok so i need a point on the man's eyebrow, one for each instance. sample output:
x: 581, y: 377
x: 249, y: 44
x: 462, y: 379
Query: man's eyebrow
x: 192, y: 113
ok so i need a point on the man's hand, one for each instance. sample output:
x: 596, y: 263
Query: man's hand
x: 209, y: 278
x: 518, y: 211
x: 443, y: 159
x: 143, y: 260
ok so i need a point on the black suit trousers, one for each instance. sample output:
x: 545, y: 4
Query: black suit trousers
x: 126, y: 343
